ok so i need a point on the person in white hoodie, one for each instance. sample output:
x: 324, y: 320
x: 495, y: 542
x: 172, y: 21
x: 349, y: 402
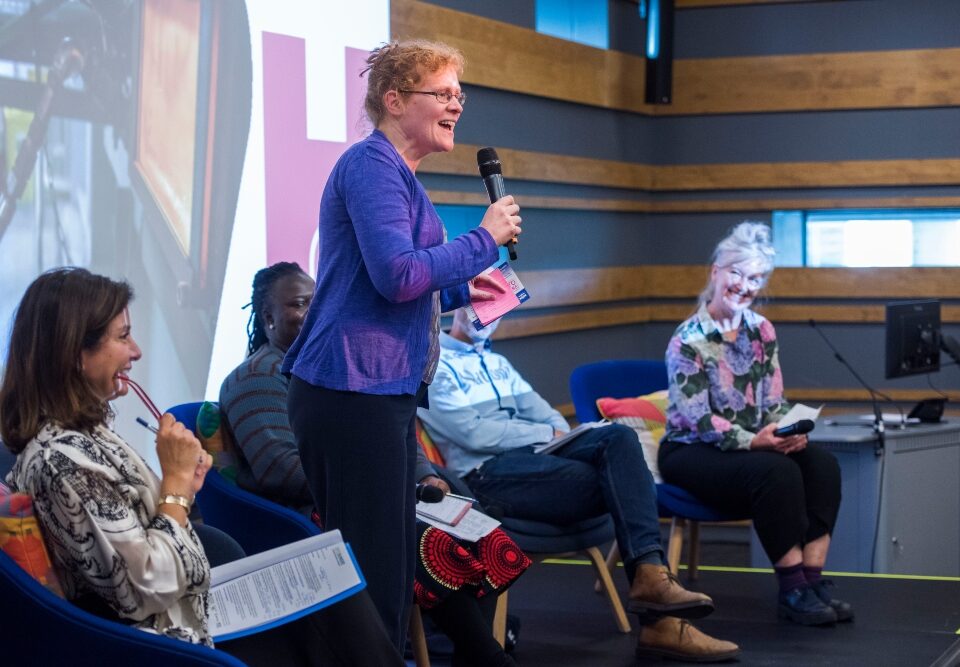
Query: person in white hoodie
x: 486, y: 419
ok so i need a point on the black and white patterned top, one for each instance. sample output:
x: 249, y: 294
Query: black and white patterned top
x: 96, y: 500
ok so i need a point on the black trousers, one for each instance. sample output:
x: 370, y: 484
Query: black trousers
x: 359, y: 454
x: 792, y: 499
x: 347, y: 634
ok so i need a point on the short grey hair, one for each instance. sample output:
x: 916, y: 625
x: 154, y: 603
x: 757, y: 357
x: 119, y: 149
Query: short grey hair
x: 748, y: 241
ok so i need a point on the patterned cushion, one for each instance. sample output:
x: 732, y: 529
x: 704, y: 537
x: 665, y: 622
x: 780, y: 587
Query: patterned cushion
x: 646, y: 415
x: 20, y: 538
x: 217, y: 440
x: 428, y: 446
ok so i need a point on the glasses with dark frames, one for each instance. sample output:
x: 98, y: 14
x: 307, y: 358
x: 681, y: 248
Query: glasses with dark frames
x: 443, y: 97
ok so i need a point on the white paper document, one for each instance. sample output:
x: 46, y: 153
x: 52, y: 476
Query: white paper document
x: 797, y: 412
x: 564, y: 438
x: 449, y: 511
x: 471, y: 527
x: 281, y: 585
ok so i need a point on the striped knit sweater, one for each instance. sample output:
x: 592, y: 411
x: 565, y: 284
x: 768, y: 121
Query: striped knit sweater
x: 253, y: 400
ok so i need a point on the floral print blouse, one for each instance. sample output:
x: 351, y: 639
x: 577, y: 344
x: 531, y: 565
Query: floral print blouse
x: 723, y: 392
x: 96, y: 501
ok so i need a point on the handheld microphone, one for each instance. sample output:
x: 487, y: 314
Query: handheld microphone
x: 797, y: 428
x: 878, y: 425
x: 491, y: 172
x: 427, y: 493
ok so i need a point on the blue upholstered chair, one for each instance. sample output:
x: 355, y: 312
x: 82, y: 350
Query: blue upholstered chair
x: 259, y: 524
x: 624, y: 378
x: 40, y: 628
x: 541, y: 540
x: 255, y: 523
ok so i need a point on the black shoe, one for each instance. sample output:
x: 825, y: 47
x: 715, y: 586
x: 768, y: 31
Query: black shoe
x: 844, y: 610
x: 801, y: 605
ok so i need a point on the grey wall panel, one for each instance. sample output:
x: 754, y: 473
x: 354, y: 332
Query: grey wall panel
x: 499, y: 118
x: 817, y: 27
x: 547, y: 361
x: 757, y: 30
x: 831, y: 135
x: 518, y: 12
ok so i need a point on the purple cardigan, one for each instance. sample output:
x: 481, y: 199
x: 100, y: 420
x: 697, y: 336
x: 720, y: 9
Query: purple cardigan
x: 382, y: 256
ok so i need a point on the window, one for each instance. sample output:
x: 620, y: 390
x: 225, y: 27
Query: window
x: 583, y: 21
x: 867, y: 238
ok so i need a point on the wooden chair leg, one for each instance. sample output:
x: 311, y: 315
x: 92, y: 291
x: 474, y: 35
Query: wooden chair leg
x: 693, y: 548
x: 418, y: 640
x: 675, y: 543
x: 613, y: 557
x: 500, y: 620
x: 600, y: 566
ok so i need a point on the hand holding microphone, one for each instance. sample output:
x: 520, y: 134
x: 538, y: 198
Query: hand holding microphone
x: 431, y: 489
x: 502, y: 218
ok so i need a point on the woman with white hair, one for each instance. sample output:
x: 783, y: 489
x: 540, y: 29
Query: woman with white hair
x: 726, y: 398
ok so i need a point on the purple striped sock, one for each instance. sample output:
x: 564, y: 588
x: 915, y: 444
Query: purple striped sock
x: 790, y: 577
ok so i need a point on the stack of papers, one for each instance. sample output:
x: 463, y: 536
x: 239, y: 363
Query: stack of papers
x: 455, y: 515
x: 450, y: 510
x: 797, y: 412
x: 482, y: 313
x: 564, y: 438
x: 281, y: 585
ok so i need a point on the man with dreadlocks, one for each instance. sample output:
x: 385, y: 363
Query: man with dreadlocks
x: 253, y: 397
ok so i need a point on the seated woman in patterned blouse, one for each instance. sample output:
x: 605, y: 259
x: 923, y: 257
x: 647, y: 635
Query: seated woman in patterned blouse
x: 119, y: 536
x: 726, y: 397
x: 456, y: 583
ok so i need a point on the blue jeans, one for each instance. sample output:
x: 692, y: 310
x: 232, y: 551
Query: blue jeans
x: 599, y: 472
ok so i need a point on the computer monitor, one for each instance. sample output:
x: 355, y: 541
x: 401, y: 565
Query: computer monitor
x: 913, y: 338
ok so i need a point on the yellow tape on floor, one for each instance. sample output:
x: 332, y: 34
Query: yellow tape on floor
x: 767, y: 570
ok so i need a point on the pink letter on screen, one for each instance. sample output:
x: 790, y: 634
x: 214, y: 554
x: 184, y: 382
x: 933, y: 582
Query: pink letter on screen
x: 297, y: 167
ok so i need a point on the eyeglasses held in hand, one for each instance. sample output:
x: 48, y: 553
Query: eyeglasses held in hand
x: 443, y: 96
x: 142, y: 395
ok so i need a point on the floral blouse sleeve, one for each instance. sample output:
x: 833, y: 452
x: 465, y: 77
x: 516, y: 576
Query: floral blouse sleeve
x: 723, y: 392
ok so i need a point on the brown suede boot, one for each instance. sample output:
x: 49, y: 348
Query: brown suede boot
x: 678, y: 639
x: 656, y: 589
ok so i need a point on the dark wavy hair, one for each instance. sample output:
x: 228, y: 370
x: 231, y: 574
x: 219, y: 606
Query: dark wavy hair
x: 263, y: 282
x: 62, y: 313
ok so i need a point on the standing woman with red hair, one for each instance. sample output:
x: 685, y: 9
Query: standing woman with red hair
x: 369, y: 347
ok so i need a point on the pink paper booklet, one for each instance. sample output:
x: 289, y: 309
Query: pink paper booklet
x: 482, y: 313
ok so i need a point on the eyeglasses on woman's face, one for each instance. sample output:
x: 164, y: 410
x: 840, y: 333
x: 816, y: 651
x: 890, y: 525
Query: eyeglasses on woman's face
x: 753, y: 281
x: 443, y: 96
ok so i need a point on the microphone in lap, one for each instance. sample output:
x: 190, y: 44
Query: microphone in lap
x: 492, y: 173
x: 427, y: 493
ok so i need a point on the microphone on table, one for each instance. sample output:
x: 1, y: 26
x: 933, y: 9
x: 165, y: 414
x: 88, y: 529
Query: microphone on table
x: 491, y: 171
x: 427, y: 493
x: 878, y: 425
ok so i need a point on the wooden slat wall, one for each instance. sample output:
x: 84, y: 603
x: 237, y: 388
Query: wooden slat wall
x: 565, y: 287
x: 553, y: 168
x: 666, y: 293
x: 699, y: 205
x: 508, y: 57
